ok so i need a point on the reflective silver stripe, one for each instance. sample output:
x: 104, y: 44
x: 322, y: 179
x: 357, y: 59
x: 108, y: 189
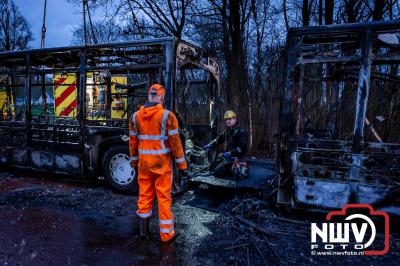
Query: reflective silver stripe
x: 173, y: 132
x: 155, y: 152
x: 238, y: 149
x: 132, y: 133
x: 134, y: 158
x: 152, y: 137
x: 167, y: 221
x: 180, y: 160
x: 166, y: 231
x: 144, y: 215
x: 164, y: 122
x: 164, y: 127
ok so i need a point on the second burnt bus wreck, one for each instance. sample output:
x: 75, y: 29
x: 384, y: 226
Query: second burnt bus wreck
x: 338, y: 138
x: 66, y: 109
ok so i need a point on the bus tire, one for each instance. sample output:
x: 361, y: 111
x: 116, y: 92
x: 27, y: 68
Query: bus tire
x: 117, y: 170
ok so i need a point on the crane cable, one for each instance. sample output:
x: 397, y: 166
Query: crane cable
x: 90, y: 22
x: 42, y: 76
x: 44, y: 25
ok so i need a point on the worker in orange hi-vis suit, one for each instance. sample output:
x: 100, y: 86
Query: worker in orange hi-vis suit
x: 154, y: 134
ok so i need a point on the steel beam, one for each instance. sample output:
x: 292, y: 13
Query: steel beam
x: 317, y: 60
x: 147, y: 42
x: 28, y: 113
x: 362, y: 92
x: 286, y: 126
x: 342, y: 28
x: 169, y: 74
x: 364, y: 80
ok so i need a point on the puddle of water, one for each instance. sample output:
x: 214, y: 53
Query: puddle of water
x: 31, y: 236
x: 210, y: 199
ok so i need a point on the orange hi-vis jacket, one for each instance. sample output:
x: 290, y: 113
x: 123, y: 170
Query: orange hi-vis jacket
x: 154, y: 135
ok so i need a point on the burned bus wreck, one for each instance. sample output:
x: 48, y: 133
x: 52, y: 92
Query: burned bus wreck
x: 338, y: 137
x: 66, y: 110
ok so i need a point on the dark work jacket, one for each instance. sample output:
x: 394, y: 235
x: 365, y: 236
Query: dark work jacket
x: 235, y: 139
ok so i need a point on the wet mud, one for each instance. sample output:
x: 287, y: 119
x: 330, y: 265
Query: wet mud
x: 45, y: 220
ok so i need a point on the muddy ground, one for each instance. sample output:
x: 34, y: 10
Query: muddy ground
x: 51, y: 220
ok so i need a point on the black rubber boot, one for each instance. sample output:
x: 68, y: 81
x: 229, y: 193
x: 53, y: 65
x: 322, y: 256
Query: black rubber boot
x: 145, y: 228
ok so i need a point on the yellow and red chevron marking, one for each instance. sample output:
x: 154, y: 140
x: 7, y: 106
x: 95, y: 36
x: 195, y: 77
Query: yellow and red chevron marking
x: 65, y: 95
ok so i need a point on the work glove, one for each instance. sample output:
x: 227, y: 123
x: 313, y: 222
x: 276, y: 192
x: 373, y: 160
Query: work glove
x: 227, y: 155
x: 207, y: 147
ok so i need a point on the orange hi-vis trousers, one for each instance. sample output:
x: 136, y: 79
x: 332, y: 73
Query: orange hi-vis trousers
x: 154, y: 135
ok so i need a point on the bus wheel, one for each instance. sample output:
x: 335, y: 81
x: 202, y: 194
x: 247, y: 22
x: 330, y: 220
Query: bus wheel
x: 118, y: 171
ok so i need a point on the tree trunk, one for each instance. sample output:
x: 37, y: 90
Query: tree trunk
x: 320, y: 12
x: 235, y: 57
x: 305, y: 12
x: 329, y: 6
x: 377, y: 14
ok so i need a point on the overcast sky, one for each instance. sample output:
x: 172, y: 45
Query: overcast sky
x: 61, y: 18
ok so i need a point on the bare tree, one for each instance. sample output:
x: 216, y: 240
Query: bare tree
x: 353, y: 11
x: 393, y: 6
x: 15, y: 33
x: 105, y: 32
x: 234, y: 16
x: 168, y: 17
x: 285, y: 16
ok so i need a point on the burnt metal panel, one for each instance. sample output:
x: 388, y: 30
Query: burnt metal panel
x: 316, y: 168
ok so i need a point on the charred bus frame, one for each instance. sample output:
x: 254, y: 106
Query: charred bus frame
x: 79, y: 145
x: 317, y: 169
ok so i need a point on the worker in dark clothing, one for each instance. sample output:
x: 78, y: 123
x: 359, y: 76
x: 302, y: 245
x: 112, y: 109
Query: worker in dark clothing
x: 235, y: 139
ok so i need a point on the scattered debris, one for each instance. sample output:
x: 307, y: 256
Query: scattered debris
x: 254, y: 226
x: 215, y: 228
